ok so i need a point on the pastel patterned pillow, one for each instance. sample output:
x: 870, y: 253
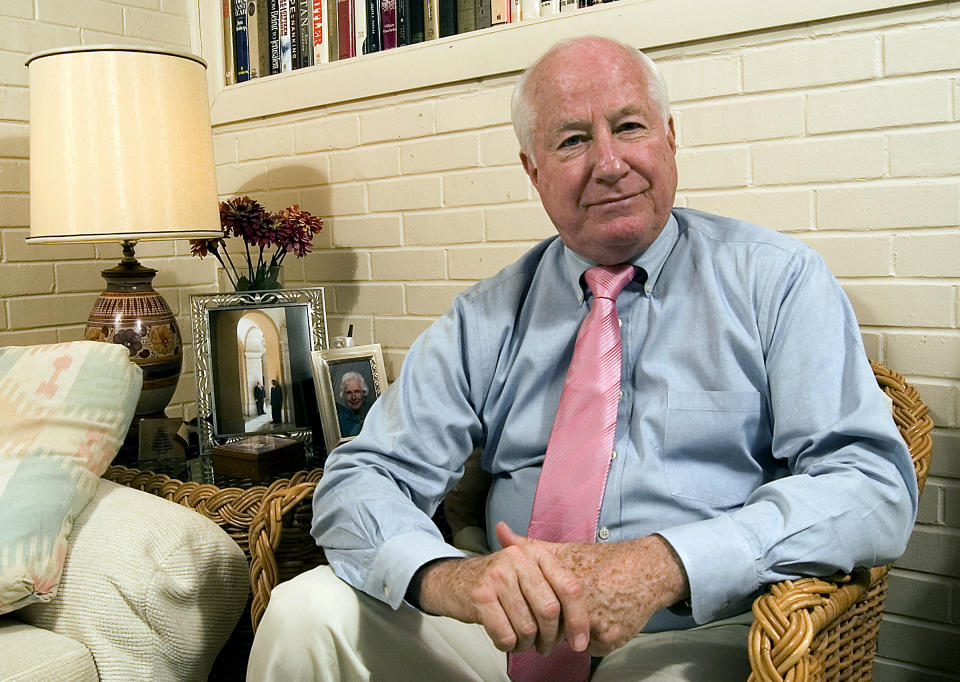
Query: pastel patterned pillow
x: 64, y: 411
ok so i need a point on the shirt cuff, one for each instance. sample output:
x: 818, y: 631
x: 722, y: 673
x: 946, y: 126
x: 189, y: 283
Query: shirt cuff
x: 398, y: 559
x: 719, y: 563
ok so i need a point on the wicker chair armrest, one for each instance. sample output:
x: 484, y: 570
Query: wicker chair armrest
x: 266, y: 532
x: 795, y: 619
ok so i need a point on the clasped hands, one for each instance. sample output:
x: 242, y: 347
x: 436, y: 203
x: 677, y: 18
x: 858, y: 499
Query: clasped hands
x: 537, y: 594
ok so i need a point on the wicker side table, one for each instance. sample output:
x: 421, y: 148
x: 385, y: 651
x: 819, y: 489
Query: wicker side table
x: 236, y: 509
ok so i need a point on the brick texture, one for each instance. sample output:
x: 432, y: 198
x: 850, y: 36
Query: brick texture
x: 843, y: 133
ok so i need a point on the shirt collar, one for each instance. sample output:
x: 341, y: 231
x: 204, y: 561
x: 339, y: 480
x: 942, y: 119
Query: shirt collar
x: 651, y: 260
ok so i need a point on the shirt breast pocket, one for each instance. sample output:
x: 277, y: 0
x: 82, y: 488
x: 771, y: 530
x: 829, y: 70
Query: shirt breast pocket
x: 711, y: 443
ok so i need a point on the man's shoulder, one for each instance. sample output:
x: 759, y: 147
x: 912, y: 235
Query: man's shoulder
x: 514, y: 280
x: 723, y: 229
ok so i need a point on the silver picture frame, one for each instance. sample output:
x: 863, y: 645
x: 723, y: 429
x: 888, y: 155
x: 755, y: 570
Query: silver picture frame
x: 330, y: 367
x: 266, y: 336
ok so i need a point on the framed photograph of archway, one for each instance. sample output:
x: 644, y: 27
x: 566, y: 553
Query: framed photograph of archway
x: 253, y: 371
x: 348, y: 382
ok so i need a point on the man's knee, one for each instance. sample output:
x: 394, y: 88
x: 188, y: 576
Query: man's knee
x: 312, y: 604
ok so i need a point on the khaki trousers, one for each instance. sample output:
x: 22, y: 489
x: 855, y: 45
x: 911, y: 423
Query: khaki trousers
x: 319, y: 628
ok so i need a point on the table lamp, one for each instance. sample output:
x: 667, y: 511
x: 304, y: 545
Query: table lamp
x: 121, y: 150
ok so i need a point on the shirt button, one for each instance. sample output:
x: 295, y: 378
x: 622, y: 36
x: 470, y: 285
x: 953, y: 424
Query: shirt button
x: 619, y: 322
x: 613, y: 455
x: 604, y: 533
x: 386, y: 591
x: 648, y: 288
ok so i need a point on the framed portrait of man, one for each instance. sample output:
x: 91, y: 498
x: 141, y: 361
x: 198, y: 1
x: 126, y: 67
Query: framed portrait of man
x: 348, y: 381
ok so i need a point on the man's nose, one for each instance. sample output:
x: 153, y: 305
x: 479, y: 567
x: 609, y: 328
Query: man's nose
x: 609, y: 165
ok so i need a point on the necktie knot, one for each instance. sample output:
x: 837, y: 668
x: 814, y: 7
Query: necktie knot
x: 607, y: 281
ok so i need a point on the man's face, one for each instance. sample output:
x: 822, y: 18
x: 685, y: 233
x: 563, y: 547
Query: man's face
x: 603, y: 159
x: 353, y: 394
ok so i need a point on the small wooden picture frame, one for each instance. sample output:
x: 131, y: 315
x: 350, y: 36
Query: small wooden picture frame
x: 348, y: 381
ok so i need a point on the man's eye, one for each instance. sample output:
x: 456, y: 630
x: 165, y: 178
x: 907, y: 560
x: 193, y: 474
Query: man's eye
x: 628, y: 126
x: 572, y: 141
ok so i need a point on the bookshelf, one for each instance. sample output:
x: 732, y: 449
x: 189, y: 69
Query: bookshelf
x: 502, y: 49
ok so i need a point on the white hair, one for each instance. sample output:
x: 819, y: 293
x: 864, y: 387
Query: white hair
x: 523, y: 115
x: 353, y: 376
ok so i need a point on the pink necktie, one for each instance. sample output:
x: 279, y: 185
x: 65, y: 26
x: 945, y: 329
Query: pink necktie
x: 566, y: 506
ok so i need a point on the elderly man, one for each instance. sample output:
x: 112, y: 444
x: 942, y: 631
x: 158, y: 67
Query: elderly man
x: 637, y: 387
x: 353, y: 409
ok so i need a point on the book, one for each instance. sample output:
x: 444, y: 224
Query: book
x: 333, y: 31
x: 568, y: 5
x: 500, y: 12
x: 263, y: 35
x: 447, y: 17
x: 372, y: 43
x: 241, y: 56
x: 274, y: 37
x: 549, y: 7
x: 431, y: 20
x: 416, y: 21
x: 320, y: 26
x: 388, y: 24
x: 516, y: 11
x: 529, y: 9
x: 253, y: 39
x: 228, y: 69
x: 346, y: 31
x: 286, y: 60
x: 403, y: 22
x: 359, y: 26
x: 466, y: 16
x: 295, y: 62
x: 483, y: 14
x: 305, y: 32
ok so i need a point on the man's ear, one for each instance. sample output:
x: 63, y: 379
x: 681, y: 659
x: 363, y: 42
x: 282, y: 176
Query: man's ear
x: 530, y: 167
x: 671, y: 135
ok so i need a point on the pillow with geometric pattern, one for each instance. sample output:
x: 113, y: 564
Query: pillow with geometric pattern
x: 64, y: 411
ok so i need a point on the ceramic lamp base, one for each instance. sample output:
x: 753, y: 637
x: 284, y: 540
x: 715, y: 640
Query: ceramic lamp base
x: 131, y: 313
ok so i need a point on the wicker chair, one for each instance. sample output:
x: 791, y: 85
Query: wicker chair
x: 809, y: 629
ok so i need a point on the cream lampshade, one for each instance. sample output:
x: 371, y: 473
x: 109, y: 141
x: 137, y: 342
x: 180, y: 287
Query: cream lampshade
x: 121, y: 150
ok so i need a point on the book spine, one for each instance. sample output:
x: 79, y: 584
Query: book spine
x: 319, y: 25
x: 286, y: 63
x: 466, y: 15
x: 373, y: 26
x: 500, y: 12
x: 516, y: 11
x: 568, y: 5
x: 529, y: 9
x: 431, y: 20
x: 263, y: 31
x: 360, y: 26
x: 241, y: 56
x: 549, y: 7
x: 447, y: 13
x: 332, y: 31
x: 253, y: 38
x: 306, y: 33
x: 416, y: 21
x: 388, y: 24
x: 229, y: 74
x: 483, y: 14
x: 403, y: 22
x: 274, y: 31
x: 294, y: 35
x: 345, y: 29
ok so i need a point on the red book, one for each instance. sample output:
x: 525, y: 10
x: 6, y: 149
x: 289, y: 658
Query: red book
x: 388, y: 25
x: 346, y: 29
x: 320, y: 30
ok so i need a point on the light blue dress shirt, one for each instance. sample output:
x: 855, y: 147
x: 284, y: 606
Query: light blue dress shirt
x: 751, y: 433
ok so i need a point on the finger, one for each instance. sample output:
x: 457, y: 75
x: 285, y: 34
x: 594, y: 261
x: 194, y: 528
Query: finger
x: 545, y: 606
x: 507, y: 538
x: 568, y: 588
x: 514, y: 603
x: 498, y: 626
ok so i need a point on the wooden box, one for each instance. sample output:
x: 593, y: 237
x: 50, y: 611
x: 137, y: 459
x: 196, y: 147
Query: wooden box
x: 259, y: 457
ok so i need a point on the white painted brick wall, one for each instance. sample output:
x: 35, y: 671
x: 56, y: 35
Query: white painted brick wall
x: 845, y: 134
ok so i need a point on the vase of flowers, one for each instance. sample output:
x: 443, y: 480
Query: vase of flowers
x: 267, y: 239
